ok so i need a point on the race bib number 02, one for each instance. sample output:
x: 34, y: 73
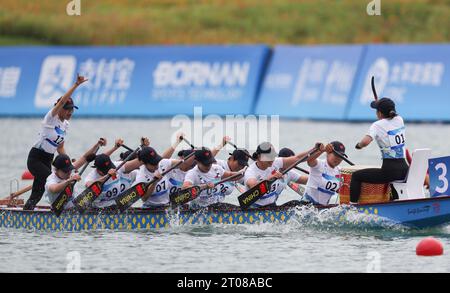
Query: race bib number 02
x: 439, y: 169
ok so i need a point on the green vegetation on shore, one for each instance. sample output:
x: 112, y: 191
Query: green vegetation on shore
x: 138, y: 22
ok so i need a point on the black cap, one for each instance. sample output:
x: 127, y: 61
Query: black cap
x: 384, y: 105
x: 63, y: 162
x: 125, y: 155
x: 68, y: 105
x: 286, y: 152
x: 241, y: 156
x: 339, y: 147
x: 148, y: 155
x: 103, y: 163
x: 185, y: 153
x: 204, y: 156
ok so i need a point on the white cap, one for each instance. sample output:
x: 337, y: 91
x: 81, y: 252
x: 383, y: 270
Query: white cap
x: 266, y: 152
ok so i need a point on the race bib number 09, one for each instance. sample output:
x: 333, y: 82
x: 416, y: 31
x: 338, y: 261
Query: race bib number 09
x: 439, y: 169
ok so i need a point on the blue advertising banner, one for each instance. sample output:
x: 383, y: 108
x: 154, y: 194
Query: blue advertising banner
x: 416, y: 77
x: 129, y: 81
x: 439, y: 169
x: 309, y: 82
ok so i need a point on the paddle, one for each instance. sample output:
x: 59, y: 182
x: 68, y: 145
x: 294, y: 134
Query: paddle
x: 126, y: 147
x: 253, y: 194
x: 187, y: 141
x: 10, y: 199
x: 127, y: 198
x: 301, y: 170
x: 186, y: 195
x: 343, y: 158
x: 372, y: 82
x: 85, y: 198
x: 64, y: 196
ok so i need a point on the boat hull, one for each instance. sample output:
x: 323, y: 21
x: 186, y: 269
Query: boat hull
x: 420, y: 213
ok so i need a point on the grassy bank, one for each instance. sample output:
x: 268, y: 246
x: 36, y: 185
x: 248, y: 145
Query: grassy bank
x: 114, y: 22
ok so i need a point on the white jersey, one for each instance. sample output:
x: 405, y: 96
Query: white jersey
x: 226, y: 188
x: 170, y: 183
x: 112, y: 188
x: 52, y: 133
x: 390, y: 137
x: 144, y: 175
x: 197, y: 177
x: 323, y: 182
x: 253, y: 172
x: 127, y: 178
x: 50, y: 196
x: 276, y: 189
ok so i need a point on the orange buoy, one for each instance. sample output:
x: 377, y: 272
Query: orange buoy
x: 429, y: 247
x: 26, y: 175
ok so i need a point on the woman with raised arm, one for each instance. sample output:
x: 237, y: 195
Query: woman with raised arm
x: 389, y: 133
x: 50, y: 140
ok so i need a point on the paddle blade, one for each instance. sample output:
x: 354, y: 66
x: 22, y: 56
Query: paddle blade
x: 85, y: 199
x: 60, y: 202
x: 252, y: 195
x: 184, y: 196
x: 130, y: 196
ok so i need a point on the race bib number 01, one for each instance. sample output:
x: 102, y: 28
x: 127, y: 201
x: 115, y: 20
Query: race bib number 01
x: 439, y: 169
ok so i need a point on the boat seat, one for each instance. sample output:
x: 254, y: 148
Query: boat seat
x: 412, y: 186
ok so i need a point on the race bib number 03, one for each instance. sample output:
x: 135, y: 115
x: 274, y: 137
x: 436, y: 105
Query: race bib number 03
x: 439, y: 169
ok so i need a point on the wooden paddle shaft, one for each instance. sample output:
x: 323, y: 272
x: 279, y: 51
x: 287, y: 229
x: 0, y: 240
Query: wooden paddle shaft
x: 20, y: 192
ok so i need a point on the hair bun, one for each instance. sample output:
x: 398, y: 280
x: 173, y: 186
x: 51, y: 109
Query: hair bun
x: 392, y: 114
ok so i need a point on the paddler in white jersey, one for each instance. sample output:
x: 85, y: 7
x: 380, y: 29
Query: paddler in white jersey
x: 205, y: 174
x: 50, y: 141
x: 389, y: 133
x: 325, y: 175
x: 148, y: 160
x: 63, y: 174
x: 267, y: 166
x: 130, y: 177
x: 114, y: 186
x: 157, y: 195
x: 237, y: 161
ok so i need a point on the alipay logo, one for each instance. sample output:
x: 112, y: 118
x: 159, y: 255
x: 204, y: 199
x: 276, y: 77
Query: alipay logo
x: 57, y: 75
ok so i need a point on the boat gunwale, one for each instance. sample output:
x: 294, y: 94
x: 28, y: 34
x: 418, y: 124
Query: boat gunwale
x: 131, y: 211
